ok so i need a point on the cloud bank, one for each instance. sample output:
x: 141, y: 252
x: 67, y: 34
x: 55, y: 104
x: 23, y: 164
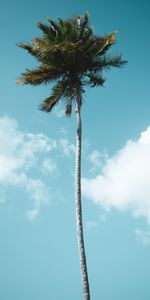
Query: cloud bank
x: 19, y: 152
x: 24, y: 155
x: 124, y: 182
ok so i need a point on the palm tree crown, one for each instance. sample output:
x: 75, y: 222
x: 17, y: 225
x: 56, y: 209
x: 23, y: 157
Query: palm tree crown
x: 70, y: 55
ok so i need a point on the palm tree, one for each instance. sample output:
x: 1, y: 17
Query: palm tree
x: 72, y: 57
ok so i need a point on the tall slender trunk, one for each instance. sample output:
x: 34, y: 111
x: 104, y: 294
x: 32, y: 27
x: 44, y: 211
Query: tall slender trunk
x: 80, y: 237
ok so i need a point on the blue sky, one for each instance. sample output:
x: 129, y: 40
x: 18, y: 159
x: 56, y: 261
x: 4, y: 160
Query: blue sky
x: 38, y: 252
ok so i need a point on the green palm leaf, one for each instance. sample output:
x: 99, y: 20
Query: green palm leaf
x: 43, y: 74
x: 57, y: 93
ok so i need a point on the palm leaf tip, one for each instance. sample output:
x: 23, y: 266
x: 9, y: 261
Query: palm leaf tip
x: 44, y: 28
x: 19, y: 81
x: 52, y: 24
x: 86, y: 15
x: 113, y: 61
x: 48, y: 104
x: 119, y: 62
x: 44, y: 107
x: 123, y: 62
x: 21, y: 45
x: 111, y: 38
x: 68, y: 110
x: 24, y: 46
x: 26, y: 79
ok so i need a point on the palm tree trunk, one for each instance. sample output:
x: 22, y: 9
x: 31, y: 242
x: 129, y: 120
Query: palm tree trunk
x: 80, y: 237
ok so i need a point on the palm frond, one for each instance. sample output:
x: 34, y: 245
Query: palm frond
x: 106, y: 62
x: 69, y: 96
x: 47, y: 31
x: 68, y: 109
x: 31, y: 50
x: 112, y: 61
x: 70, y: 30
x: 111, y: 37
x: 43, y: 74
x: 27, y: 47
x: 95, y: 80
x: 44, y: 28
x: 104, y: 49
x: 83, y: 26
x: 51, y: 101
x: 61, y: 22
x: 41, y: 49
x: 53, y: 24
x: 48, y: 104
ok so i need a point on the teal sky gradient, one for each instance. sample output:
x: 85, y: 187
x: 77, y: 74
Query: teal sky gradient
x: 39, y: 259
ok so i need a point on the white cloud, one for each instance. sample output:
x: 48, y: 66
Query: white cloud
x: 38, y: 191
x: 19, y: 151
x: 143, y: 236
x: 125, y: 179
x: 66, y: 147
x: 49, y: 166
x: 97, y: 159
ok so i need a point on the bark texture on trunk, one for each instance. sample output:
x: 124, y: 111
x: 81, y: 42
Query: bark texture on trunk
x: 80, y: 237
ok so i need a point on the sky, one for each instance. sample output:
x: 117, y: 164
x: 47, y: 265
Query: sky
x: 38, y: 245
